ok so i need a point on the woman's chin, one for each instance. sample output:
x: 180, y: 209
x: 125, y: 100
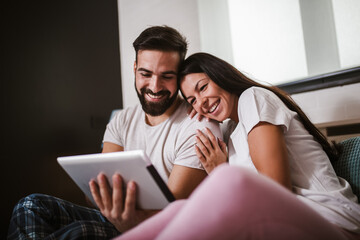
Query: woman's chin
x: 216, y: 118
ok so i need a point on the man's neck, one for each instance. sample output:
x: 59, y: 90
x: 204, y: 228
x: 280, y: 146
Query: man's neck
x: 155, y: 120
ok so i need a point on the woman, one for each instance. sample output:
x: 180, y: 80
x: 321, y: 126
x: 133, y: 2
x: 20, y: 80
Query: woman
x: 273, y: 137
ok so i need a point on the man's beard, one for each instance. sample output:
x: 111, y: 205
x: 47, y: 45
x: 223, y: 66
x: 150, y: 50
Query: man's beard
x: 156, y: 108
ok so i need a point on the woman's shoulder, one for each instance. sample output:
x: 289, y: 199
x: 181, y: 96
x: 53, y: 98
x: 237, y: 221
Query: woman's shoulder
x: 254, y: 91
x: 257, y: 94
x: 262, y: 103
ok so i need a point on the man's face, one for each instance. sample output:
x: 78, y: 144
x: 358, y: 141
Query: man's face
x: 156, y: 80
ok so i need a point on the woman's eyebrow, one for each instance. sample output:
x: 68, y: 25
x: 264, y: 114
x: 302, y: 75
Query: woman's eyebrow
x: 197, y: 84
x: 196, y: 87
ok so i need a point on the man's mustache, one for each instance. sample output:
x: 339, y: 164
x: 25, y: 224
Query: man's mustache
x: 160, y: 93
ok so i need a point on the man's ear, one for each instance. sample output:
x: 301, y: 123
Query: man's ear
x: 134, y: 67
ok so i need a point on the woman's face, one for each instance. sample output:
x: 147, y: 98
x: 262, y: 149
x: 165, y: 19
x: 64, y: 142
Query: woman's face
x: 207, y: 98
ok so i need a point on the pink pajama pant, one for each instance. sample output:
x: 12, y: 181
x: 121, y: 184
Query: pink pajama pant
x: 234, y: 203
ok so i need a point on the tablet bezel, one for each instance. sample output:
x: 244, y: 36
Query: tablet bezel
x: 152, y: 191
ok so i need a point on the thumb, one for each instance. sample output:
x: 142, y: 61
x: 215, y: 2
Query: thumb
x: 222, y: 145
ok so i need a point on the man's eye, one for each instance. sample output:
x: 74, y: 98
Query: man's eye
x: 168, y: 77
x: 192, y: 101
x: 203, y: 87
x: 145, y: 75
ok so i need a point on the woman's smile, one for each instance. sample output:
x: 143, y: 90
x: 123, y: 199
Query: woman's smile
x: 207, y: 98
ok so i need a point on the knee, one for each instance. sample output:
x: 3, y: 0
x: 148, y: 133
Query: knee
x: 235, y: 177
x: 249, y: 187
x: 30, y: 202
x: 32, y: 198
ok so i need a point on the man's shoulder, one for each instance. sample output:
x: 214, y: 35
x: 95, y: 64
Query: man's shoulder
x: 128, y: 115
x: 131, y: 110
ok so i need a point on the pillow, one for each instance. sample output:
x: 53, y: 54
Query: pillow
x: 348, y: 164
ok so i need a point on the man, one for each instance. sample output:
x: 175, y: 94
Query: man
x: 159, y: 126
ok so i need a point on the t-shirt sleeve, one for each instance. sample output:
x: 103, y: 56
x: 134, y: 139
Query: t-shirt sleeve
x: 113, y: 129
x: 185, y: 152
x: 261, y: 105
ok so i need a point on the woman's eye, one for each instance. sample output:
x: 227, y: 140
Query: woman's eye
x: 192, y: 101
x: 203, y: 87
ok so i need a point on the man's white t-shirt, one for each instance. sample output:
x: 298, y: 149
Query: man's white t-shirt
x: 313, y: 177
x: 166, y: 144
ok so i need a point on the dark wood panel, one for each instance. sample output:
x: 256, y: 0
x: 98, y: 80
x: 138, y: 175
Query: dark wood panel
x: 60, y: 79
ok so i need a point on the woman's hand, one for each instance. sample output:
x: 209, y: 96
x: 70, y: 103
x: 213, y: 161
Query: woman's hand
x: 192, y: 112
x: 122, y: 213
x: 210, y: 150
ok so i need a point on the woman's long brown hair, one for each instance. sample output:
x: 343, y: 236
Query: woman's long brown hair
x: 232, y: 80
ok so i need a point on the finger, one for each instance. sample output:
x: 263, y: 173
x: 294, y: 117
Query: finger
x: 189, y: 109
x: 204, y: 139
x: 117, y: 198
x: 222, y: 146
x: 211, y: 137
x: 203, y: 149
x: 192, y: 113
x: 105, y: 191
x: 130, y: 199
x: 200, y: 155
x: 94, y: 188
x: 200, y: 117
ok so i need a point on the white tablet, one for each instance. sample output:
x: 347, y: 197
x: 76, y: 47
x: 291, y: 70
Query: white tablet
x: 152, y: 191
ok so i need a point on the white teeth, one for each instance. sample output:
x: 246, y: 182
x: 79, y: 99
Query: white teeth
x: 212, y: 109
x: 154, y: 96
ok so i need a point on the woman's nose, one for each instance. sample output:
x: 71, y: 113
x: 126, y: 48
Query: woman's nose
x: 202, y: 102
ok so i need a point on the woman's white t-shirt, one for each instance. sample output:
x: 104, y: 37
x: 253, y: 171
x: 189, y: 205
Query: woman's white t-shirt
x: 313, y: 177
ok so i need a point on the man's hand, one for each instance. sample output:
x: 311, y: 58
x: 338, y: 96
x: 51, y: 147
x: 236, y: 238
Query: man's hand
x: 121, y: 213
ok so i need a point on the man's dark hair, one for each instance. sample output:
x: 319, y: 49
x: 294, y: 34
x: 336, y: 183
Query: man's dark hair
x: 162, y: 38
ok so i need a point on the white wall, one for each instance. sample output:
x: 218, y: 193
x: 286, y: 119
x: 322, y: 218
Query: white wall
x: 337, y: 104
x: 136, y: 15
x: 327, y: 105
x: 269, y: 44
x: 321, y: 47
x: 347, y: 24
x: 215, y: 31
x: 267, y: 39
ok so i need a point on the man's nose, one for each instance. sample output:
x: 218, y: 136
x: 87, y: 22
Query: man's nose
x: 155, y: 84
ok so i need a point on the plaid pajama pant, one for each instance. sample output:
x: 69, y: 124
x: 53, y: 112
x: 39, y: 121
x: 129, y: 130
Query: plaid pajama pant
x: 40, y: 216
